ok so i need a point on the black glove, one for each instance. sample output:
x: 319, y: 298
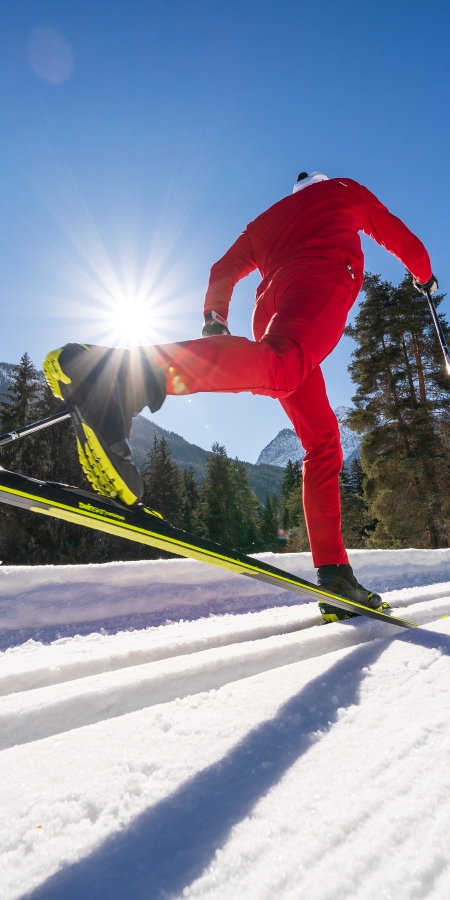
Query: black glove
x: 214, y: 324
x: 430, y: 287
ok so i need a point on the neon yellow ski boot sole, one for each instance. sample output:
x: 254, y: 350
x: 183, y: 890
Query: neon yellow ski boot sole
x: 94, y: 460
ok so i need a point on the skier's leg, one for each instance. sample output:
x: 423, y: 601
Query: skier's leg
x: 229, y: 364
x: 316, y: 426
x: 103, y: 388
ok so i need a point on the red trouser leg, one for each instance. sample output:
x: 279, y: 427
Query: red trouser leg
x: 297, y: 322
x: 316, y: 426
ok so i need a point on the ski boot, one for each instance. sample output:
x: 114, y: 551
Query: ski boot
x: 103, y: 389
x: 340, y: 580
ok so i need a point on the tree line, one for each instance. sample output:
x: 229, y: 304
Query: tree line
x: 397, y: 495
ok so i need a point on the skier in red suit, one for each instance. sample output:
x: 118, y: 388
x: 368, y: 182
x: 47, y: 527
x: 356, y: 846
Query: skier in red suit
x: 308, y: 252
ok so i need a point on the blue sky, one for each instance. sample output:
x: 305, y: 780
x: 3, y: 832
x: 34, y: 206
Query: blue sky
x: 139, y: 138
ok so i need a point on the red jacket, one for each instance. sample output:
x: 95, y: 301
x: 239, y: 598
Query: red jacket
x: 322, y: 220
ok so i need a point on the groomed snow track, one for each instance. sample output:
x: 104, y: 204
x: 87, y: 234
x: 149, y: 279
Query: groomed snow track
x: 101, y: 733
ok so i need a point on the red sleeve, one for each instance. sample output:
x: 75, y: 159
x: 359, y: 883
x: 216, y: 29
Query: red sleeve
x: 390, y: 232
x: 237, y: 262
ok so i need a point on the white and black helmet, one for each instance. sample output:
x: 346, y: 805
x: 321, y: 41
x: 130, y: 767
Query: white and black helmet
x: 304, y: 180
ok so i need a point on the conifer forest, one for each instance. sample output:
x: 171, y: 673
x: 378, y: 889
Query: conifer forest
x: 397, y: 495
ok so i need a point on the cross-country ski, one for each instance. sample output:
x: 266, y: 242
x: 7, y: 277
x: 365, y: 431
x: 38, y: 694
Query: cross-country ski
x: 146, y: 527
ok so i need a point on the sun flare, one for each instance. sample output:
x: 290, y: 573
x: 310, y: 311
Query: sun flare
x: 127, y: 301
x: 130, y: 321
x: 128, y: 305
x: 124, y: 283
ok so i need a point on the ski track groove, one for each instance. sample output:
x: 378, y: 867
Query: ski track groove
x: 38, y: 712
x: 17, y: 679
x: 149, y: 647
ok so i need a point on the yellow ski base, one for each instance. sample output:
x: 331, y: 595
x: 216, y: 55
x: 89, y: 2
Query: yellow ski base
x: 99, y: 470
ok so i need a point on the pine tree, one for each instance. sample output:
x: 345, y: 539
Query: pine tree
x: 245, y: 510
x: 17, y: 408
x: 270, y: 537
x: 215, y: 515
x: 292, y: 514
x: 228, y: 510
x: 17, y: 540
x: 402, y: 407
x: 357, y: 523
x: 163, y: 483
x: 291, y: 484
x: 191, y: 499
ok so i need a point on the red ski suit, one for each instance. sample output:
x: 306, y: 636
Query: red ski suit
x: 309, y: 254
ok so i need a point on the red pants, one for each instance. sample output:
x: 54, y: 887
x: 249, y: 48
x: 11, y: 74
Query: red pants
x: 297, y: 322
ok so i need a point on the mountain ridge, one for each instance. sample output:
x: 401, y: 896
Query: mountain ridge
x: 286, y: 446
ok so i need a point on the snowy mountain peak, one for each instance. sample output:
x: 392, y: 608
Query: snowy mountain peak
x: 341, y: 413
x: 286, y: 445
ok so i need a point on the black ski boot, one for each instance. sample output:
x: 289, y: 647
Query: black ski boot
x: 340, y: 580
x: 103, y: 389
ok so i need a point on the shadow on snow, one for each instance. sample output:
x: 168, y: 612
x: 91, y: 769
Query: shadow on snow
x: 171, y: 844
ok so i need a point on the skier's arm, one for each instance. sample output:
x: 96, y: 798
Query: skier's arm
x: 389, y: 231
x: 237, y: 262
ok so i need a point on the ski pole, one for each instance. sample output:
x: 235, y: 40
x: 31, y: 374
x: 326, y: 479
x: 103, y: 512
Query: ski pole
x: 440, y: 333
x: 35, y: 426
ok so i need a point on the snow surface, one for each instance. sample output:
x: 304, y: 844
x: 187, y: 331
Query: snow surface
x: 168, y: 730
x: 286, y: 445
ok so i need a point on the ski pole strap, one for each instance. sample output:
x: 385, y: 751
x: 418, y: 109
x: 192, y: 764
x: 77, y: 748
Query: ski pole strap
x: 439, y: 331
x: 35, y: 426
